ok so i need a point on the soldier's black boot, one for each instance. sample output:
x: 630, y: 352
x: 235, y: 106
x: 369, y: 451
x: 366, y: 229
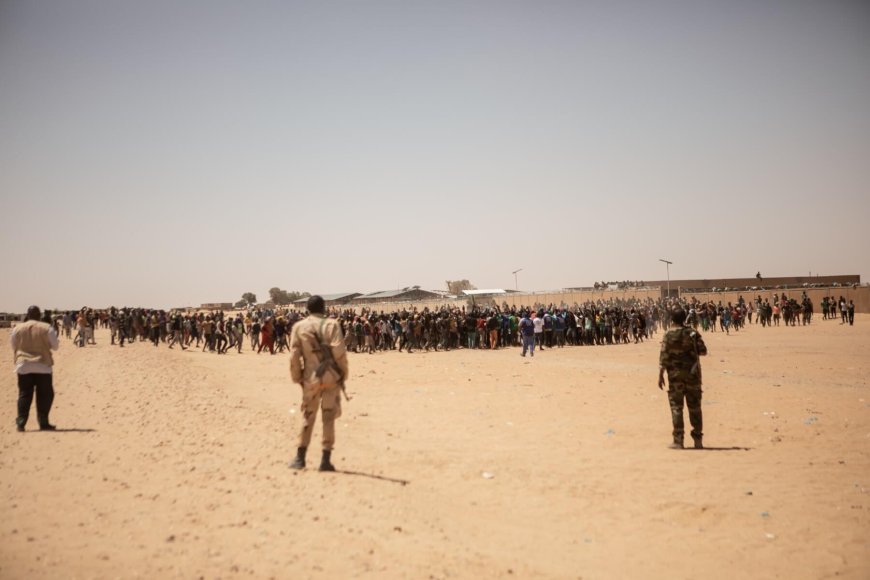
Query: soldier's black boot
x: 44, y: 425
x: 677, y: 444
x: 699, y: 444
x: 325, y: 464
x: 20, y: 422
x: 299, y: 462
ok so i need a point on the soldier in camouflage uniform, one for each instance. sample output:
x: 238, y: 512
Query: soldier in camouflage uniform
x: 682, y: 348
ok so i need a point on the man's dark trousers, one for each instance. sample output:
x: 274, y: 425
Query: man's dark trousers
x: 42, y: 383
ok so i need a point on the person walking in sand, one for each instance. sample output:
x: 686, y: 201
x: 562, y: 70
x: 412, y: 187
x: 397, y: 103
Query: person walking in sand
x: 527, y: 331
x: 307, y: 338
x: 208, y: 328
x: 67, y: 325
x: 682, y: 348
x: 177, y: 331
x: 81, y: 330
x: 239, y: 331
x: 154, y: 326
x: 32, y: 343
x: 90, y: 327
x: 255, y: 334
x: 539, y: 331
x: 492, y: 325
x: 123, y: 321
x: 267, y: 339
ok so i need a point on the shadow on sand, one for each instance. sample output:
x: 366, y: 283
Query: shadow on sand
x: 720, y: 449
x: 373, y: 476
x: 70, y: 430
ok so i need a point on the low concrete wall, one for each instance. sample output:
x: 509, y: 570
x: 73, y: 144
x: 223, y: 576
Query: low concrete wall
x: 707, y: 284
x: 571, y: 297
x: 860, y: 294
x: 407, y: 305
x: 535, y: 299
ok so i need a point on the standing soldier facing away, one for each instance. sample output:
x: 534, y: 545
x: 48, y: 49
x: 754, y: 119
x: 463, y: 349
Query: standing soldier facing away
x: 682, y: 348
x: 307, y: 338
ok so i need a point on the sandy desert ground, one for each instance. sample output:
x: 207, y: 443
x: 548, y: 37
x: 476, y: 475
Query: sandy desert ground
x: 171, y: 464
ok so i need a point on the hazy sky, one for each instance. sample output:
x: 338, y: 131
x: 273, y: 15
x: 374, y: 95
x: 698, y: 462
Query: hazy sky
x: 170, y: 153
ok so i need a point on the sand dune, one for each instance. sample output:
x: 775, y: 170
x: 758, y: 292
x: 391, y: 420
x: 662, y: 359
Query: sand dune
x: 174, y: 464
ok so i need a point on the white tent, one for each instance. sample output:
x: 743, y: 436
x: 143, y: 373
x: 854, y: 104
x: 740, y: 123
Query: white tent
x: 484, y: 292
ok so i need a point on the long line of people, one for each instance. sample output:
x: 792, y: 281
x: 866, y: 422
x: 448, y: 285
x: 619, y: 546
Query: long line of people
x: 602, y: 322
x: 494, y: 327
x: 216, y: 332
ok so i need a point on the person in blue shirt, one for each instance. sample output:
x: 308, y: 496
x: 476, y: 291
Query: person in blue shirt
x: 527, y: 332
x: 559, y: 329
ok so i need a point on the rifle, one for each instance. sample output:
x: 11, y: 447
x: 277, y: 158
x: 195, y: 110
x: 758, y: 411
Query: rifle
x: 696, y: 368
x: 327, y: 360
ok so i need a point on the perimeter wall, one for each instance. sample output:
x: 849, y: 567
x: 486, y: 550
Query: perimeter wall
x: 535, y: 299
x: 860, y: 294
x: 710, y: 283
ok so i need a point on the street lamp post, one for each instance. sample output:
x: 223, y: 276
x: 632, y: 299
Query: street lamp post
x: 668, y: 268
x: 516, y: 284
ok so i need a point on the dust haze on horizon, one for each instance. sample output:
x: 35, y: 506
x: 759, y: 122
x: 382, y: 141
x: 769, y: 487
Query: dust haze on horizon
x: 174, y: 153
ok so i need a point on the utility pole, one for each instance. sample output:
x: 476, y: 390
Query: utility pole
x: 668, y: 268
x: 516, y: 284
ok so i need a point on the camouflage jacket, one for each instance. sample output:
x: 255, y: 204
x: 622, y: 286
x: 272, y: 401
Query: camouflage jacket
x: 681, y: 349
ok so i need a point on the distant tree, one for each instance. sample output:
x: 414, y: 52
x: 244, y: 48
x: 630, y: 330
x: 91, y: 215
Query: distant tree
x: 249, y: 298
x: 279, y: 296
x: 457, y: 286
x: 293, y: 296
x: 241, y: 304
x: 283, y: 297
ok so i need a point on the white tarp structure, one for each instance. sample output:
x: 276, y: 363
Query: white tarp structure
x: 484, y: 292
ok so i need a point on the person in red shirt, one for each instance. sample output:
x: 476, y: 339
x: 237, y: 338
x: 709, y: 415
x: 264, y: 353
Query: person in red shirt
x: 267, y: 337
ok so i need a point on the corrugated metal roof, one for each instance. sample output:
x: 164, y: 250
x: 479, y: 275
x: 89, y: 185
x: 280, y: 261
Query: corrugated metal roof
x: 393, y: 293
x: 330, y: 297
x: 386, y: 293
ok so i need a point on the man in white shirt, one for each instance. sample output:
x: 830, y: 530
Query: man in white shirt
x: 539, y: 330
x: 32, y: 343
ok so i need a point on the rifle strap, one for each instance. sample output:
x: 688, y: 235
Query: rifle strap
x: 323, y: 344
x: 320, y: 333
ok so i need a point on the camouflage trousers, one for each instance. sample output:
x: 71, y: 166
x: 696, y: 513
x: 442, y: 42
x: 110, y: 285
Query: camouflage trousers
x: 315, y: 397
x: 677, y: 393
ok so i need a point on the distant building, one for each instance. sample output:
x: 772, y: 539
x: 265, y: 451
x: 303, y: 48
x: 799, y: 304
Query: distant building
x: 339, y: 299
x: 217, y: 306
x: 404, y: 294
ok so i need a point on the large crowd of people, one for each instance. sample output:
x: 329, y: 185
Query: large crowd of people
x: 619, y: 285
x: 601, y: 322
